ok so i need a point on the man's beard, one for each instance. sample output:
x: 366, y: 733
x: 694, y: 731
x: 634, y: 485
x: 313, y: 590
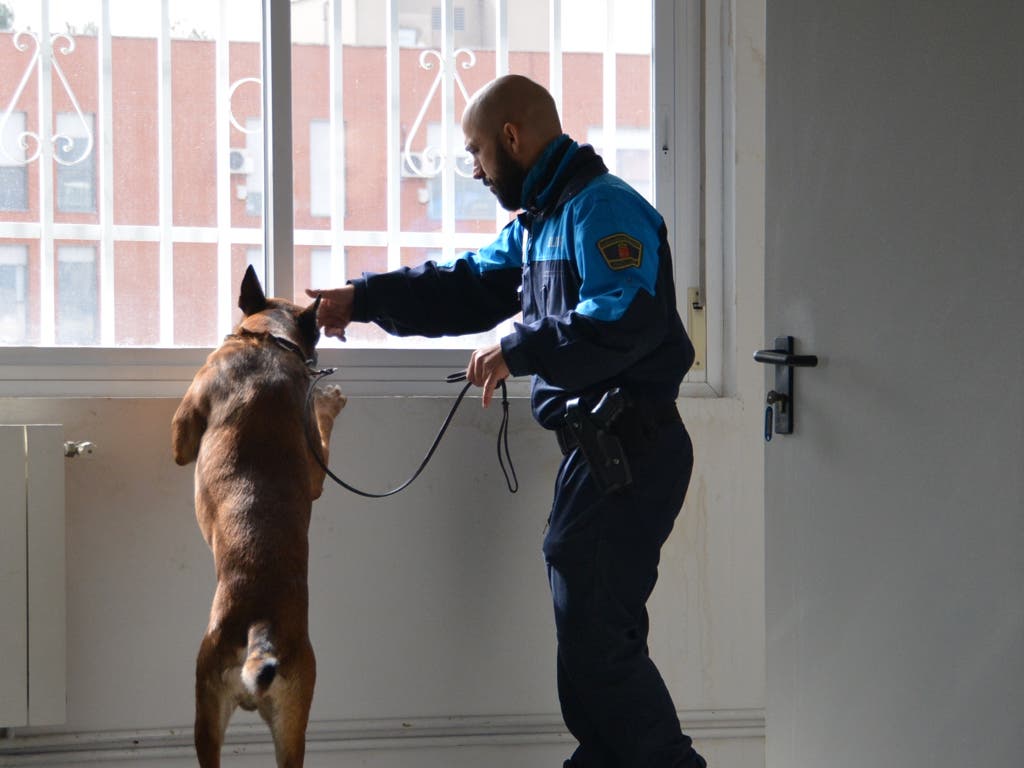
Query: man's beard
x: 507, y: 182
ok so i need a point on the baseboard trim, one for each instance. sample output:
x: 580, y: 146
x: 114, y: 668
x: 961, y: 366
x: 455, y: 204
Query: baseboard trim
x: 53, y: 749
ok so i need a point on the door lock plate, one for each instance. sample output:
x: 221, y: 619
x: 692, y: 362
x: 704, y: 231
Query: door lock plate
x: 697, y: 327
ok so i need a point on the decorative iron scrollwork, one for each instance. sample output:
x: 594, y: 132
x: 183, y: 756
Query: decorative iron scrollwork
x: 431, y: 160
x: 63, y: 143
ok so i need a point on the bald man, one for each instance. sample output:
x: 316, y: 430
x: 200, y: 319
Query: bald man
x: 587, y: 262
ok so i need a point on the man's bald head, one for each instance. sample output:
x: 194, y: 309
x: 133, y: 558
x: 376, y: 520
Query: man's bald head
x: 519, y: 111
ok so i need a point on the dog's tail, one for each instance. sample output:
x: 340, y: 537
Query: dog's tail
x: 260, y: 665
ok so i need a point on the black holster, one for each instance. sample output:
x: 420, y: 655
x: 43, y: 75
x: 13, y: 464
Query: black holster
x: 592, y: 431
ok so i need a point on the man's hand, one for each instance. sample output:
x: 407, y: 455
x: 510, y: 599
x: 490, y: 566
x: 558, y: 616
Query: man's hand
x: 335, y: 311
x: 487, y: 369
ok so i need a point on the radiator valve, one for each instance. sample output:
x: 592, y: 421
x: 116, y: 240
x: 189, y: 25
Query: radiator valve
x: 81, y: 448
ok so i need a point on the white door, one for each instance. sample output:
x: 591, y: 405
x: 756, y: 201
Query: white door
x: 895, y: 511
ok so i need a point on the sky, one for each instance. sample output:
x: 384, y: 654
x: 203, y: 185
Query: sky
x: 134, y: 18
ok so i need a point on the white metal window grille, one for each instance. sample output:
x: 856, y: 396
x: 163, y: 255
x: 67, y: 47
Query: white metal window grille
x: 158, y: 269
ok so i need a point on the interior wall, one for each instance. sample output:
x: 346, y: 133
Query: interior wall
x: 430, y: 612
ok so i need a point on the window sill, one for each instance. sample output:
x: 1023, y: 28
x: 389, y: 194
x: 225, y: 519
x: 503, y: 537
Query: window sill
x: 60, y: 372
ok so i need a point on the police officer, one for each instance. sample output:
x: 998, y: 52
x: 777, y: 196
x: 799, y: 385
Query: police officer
x: 587, y: 261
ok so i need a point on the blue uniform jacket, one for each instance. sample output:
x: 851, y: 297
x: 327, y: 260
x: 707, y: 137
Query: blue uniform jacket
x: 594, y: 282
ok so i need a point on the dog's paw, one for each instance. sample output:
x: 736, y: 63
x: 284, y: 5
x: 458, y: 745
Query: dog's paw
x: 329, y: 400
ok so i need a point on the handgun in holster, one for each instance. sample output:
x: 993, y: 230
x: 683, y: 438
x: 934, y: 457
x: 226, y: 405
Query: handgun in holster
x: 600, y: 446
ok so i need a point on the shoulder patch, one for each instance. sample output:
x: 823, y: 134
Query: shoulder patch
x: 621, y: 251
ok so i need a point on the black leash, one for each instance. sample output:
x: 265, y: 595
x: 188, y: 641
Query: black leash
x: 510, y: 473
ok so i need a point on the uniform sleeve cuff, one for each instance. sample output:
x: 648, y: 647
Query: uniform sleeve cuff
x: 515, y: 357
x: 360, y: 312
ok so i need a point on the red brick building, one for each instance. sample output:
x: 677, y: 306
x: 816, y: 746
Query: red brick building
x: 67, y: 253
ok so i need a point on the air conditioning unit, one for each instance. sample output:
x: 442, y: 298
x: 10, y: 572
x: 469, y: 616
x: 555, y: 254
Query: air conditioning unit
x: 409, y: 162
x: 240, y: 161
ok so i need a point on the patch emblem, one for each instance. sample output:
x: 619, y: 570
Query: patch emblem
x: 621, y: 251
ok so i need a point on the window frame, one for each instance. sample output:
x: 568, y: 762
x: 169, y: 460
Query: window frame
x: 691, y: 98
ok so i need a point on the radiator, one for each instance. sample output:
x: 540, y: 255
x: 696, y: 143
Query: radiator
x: 32, y: 575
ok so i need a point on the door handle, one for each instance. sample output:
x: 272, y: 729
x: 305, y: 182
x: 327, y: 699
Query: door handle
x: 779, y: 357
x: 778, y: 417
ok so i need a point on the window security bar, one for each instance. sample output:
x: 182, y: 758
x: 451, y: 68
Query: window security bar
x: 93, y: 141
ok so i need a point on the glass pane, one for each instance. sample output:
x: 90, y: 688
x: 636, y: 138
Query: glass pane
x: 77, y: 301
x: 195, y: 294
x: 14, y: 318
x: 361, y: 259
x: 386, y: 173
x: 137, y: 300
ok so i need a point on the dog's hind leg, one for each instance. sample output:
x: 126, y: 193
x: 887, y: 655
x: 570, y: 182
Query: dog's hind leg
x: 286, y: 711
x: 214, y: 703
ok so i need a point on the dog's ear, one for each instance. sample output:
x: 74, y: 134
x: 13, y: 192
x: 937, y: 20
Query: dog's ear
x: 251, y: 299
x: 307, y: 323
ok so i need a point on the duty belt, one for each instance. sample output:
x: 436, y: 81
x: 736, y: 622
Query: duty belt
x: 635, y: 426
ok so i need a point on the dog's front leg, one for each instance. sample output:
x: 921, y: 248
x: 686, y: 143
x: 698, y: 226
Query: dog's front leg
x: 327, y: 404
x: 189, y: 422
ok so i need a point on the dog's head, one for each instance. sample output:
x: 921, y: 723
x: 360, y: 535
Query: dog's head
x: 277, y: 317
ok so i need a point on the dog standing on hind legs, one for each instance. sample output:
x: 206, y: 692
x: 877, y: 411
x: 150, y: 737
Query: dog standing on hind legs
x: 243, y: 422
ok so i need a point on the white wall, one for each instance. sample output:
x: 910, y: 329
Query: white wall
x: 430, y: 612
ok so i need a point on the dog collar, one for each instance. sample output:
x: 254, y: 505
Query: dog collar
x: 282, y: 342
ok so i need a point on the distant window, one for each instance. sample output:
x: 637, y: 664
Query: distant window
x: 459, y: 14
x: 76, y: 163
x: 13, y: 297
x: 13, y: 173
x: 473, y: 201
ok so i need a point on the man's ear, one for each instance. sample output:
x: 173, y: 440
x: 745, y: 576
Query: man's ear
x: 308, y: 326
x: 251, y: 299
x: 512, y: 138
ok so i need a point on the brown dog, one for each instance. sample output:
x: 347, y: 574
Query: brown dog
x: 242, y: 421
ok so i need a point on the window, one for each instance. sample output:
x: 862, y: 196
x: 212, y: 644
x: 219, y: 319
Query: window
x: 76, y: 163
x: 632, y: 156
x: 460, y: 18
x: 13, y: 305
x: 13, y: 173
x: 473, y: 201
x: 151, y: 191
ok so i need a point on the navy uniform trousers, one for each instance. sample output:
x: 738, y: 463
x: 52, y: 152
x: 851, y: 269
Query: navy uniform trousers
x: 602, y: 555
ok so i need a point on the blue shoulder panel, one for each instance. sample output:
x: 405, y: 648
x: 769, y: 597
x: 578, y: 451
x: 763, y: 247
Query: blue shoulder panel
x: 615, y: 245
